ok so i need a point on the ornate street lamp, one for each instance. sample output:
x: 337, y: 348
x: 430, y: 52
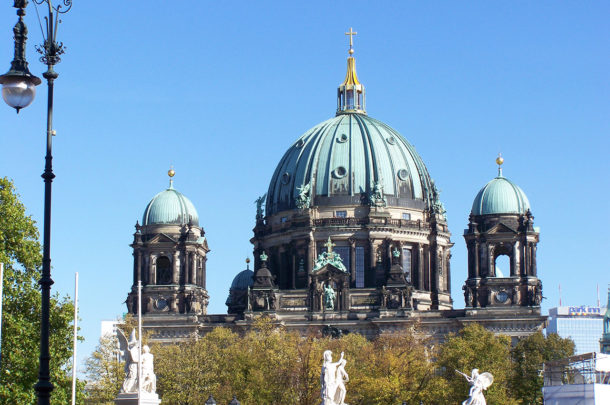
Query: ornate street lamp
x: 18, y: 84
x: 18, y: 90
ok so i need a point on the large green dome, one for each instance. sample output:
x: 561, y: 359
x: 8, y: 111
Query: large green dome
x: 500, y: 196
x: 170, y: 207
x: 342, y: 159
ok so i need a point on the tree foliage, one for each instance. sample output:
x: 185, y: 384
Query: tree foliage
x: 104, y: 371
x: 20, y: 253
x: 269, y: 365
x: 528, y: 357
x: 476, y: 347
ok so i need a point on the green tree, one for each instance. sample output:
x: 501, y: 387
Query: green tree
x: 528, y: 357
x: 20, y: 253
x: 104, y: 372
x: 476, y: 347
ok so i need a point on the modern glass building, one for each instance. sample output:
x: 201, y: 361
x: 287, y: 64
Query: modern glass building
x: 584, y: 325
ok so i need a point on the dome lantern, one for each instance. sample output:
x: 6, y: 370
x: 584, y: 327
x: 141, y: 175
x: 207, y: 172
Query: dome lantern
x: 350, y: 94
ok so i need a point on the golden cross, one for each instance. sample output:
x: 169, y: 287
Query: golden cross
x: 351, y: 37
x: 329, y: 245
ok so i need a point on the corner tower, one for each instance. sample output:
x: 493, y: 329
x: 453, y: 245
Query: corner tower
x: 501, y: 227
x: 352, y: 188
x: 169, y: 251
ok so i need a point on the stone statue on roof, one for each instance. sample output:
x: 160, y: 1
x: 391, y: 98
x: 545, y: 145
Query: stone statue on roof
x: 303, y: 199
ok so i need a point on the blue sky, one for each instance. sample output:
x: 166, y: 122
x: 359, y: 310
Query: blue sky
x: 221, y: 89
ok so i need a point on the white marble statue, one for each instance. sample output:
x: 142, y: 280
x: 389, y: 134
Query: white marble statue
x: 478, y: 383
x: 332, y: 380
x: 149, y: 379
x: 131, y: 352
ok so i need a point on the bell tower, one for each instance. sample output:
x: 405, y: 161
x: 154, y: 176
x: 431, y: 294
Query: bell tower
x: 501, y: 230
x: 169, y: 251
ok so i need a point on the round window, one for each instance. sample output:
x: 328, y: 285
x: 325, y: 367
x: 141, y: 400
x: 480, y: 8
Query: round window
x: 340, y: 172
x: 342, y: 138
x: 403, y: 174
x: 391, y: 140
x: 161, y: 304
x: 502, y: 297
x: 299, y: 143
x: 285, y: 178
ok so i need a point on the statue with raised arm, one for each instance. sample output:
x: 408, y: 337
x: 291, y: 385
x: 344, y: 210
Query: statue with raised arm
x: 303, y: 199
x: 259, y: 206
x: 328, y: 379
x: 478, y: 383
x: 329, y: 297
x: 342, y: 378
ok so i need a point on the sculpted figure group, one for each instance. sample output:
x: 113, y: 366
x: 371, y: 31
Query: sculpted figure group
x: 332, y: 379
x: 131, y: 353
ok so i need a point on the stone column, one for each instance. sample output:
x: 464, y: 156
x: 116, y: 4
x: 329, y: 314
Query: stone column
x: 193, y: 268
x: 534, y: 269
x: 420, y: 266
x: 516, y: 260
x: 176, y: 268
x: 476, y: 257
x: 204, y: 271
x: 491, y: 272
x: 369, y: 277
x: 151, y: 270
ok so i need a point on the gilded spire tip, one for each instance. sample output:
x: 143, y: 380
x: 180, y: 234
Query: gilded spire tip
x: 171, y: 173
x: 350, y: 97
x: 499, y: 161
x: 351, y: 34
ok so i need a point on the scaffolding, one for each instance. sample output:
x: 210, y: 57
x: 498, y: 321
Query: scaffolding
x: 588, y: 368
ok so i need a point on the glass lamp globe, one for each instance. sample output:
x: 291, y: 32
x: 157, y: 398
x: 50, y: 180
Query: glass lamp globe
x: 18, y: 91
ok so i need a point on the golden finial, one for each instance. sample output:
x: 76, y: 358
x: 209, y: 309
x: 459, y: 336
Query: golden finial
x: 499, y: 161
x: 248, y: 263
x: 171, y: 173
x: 351, y: 34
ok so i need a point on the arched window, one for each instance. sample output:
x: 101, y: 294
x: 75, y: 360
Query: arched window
x: 164, y: 271
x: 502, y: 266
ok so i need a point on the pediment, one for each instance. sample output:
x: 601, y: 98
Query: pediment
x: 330, y: 271
x: 501, y: 228
x: 161, y: 238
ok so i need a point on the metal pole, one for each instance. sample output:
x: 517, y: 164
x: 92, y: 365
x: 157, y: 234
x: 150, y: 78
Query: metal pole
x: 44, y: 385
x: 140, y: 340
x: 75, y: 337
x: 1, y: 297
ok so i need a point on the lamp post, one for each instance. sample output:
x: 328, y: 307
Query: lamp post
x: 18, y: 90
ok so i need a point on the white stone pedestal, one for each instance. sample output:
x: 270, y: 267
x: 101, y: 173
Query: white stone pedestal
x: 132, y: 399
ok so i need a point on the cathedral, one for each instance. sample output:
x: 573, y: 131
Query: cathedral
x: 351, y: 236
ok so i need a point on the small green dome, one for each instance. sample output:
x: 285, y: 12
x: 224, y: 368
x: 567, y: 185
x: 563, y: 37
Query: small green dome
x: 341, y: 160
x: 500, y: 196
x: 170, y: 207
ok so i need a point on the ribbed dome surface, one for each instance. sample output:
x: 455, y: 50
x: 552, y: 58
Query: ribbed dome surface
x: 500, y: 196
x: 170, y: 207
x: 342, y: 158
x: 243, y: 280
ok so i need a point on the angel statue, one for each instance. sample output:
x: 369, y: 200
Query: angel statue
x: 478, y: 383
x: 130, y: 352
x: 332, y: 379
x: 259, y: 206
